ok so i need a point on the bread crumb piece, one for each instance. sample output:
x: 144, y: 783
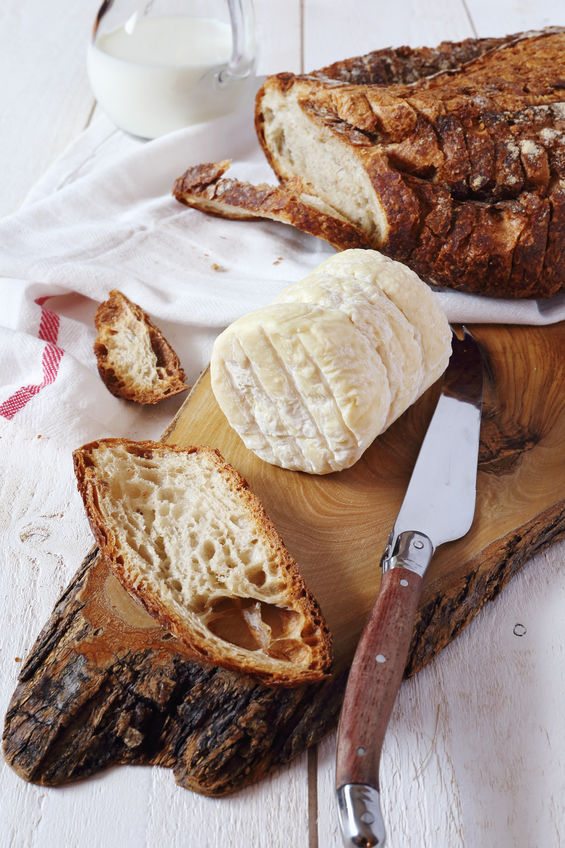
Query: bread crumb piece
x: 278, y: 260
x: 135, y: 361
x: 17, y: 659
x: 216, y: 267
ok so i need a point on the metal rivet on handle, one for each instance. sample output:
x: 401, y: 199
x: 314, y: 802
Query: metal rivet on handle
x: 380, y: 658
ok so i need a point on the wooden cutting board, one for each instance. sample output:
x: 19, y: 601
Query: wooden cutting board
x: 105, y: 685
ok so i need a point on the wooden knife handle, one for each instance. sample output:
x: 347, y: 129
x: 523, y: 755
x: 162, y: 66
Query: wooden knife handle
x: 374, y: 680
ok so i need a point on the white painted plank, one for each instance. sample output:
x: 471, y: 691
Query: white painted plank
x: 278, y: 36
x: 133, y: 806
x: 45, y: 99
x: 273, y: 813
x: 337, y: 31
x: 507, y: 16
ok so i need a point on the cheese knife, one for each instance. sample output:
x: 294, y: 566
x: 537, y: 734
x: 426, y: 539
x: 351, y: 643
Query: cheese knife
x: 438, y: 507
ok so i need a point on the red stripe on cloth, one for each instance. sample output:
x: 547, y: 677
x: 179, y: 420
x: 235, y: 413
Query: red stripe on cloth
x: 48, y: 326
x: 52, y: 355
x: 51, y: 358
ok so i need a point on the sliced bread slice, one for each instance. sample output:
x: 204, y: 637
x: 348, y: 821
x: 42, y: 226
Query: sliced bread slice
x: 135, y: 361
x: 183, y: 532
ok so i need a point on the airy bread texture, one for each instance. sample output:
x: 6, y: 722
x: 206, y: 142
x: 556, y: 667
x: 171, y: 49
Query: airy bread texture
x: 183, y: 532
x: 310, y: 381
x: 450, y: 160
x: 134, y: 359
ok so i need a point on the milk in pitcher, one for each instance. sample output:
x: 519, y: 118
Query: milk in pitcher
x: 157, y: 74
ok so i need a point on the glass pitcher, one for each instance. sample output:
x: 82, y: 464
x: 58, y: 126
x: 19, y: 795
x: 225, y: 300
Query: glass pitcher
x: 160, y: 65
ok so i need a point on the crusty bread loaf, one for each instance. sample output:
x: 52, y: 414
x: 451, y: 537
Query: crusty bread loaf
x: 391, y: 65
x: 184, y: 533
x: 134, y: 359
x: 311, y: 380
x: 455, y: 170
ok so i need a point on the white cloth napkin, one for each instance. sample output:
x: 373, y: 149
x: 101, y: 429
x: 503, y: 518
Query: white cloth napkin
x: 103, y: 217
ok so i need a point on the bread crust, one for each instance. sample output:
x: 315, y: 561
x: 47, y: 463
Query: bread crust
x: 463, y: 146
x: 389, y: 65
x: 110, y: 319
x: 272, y: 672
x: 466, y: 163
x: 203, y: 187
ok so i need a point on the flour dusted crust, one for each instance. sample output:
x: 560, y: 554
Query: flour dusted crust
x: 184, y: 533
x: 449, y: 159
x: 311, y: 380
x: 134, y: 359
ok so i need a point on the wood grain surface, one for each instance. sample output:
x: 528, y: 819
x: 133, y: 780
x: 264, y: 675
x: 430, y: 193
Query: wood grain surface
x: 337, y: 525
x: 104, y: 685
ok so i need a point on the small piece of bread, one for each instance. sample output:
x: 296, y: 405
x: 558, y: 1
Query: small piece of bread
x: 135, y: 361
x: 311, y: 380
x: 183, y: 532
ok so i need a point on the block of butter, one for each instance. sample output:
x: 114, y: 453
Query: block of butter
x: 311, y: 380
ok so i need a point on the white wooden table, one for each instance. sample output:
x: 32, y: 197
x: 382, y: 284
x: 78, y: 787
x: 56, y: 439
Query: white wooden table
x: 475, y: 753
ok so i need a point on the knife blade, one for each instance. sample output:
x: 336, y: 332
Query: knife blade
x: 438, y: 507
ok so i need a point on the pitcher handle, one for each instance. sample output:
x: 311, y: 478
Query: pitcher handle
x: 242, y: 61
